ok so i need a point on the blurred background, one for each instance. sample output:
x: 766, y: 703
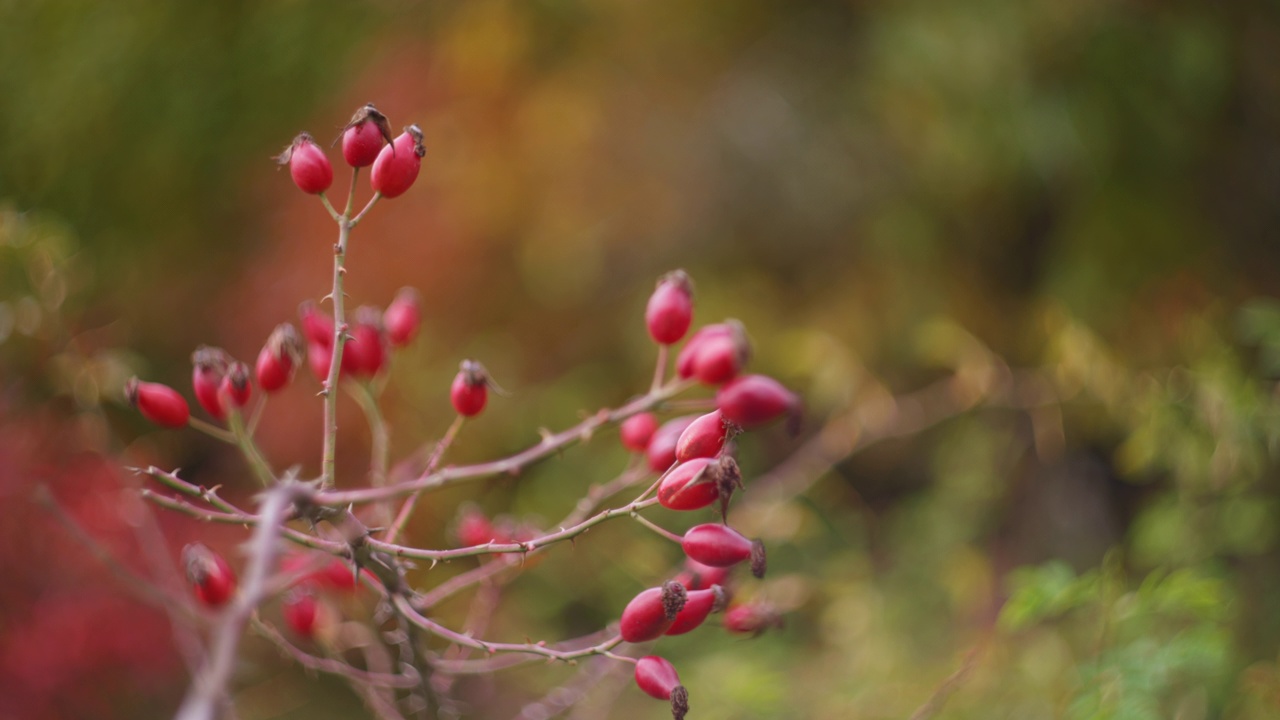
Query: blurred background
x: 1032, y: 243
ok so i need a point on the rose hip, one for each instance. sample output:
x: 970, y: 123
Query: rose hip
x: 650, y: 613
x: 474, y: 528
x: 661, y: 453
x: 398, y: 164
x: 754, y: 400
x: 722, y: 546
x: 365, y: 352
x: 703, y: 438
x: 689, y: 353
x: 403, y: 316
x: 308, y: 165
x: 211, y: 576
x: 697, y: 607
x: 301, y: 611
x: 657, y: 677
x: 687, y: 488
x: 278, y: 358
x: 719, y: 359
x: 362, y: 138
x: 235, y: 387
x: 753, y: 618
x: 470, y: 390
x: 158, y: 403
x: 697, y: 576
x: 208, y: 366
x: 670, y: 308
x: 637, y: 430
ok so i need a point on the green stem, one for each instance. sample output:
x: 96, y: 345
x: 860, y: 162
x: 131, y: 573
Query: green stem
x: 257, y: 463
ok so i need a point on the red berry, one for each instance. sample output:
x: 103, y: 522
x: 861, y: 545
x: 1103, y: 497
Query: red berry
x: 685, y: 360
x: 319, y: 359
x: 637, y: 430
x: 158, y: 403
x: 650, y: 613
x: 308, y: 165
x: 235, y: 387
x: 700, y: 604
x: 700, y: 482
x: 697, y: 576
x: 209, y: 365
x: 211, y: 576
x: 722, y: 546
x: 301, y: 610
x: 362, y: 137
x: 755, y: 618
x: 658, y: 678
x: 470, y: 390
x: 754, y: 400
x: 403, y: 316
x: 719, y: 359
x: 670, y: 309
x: 317, y: 327
x: 278, y: 358
x: 703, y: 438
x: 687, y: 487
x: 337, y: 574
x: 661, y: 453
x: 365, y: 352
x: 474, y: 528
x: 398, y: 163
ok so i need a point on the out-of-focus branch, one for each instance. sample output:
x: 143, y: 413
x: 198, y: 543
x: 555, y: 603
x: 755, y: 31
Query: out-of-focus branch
x: 327, y: 665
x: 210, y: 684
x: 550, y: 445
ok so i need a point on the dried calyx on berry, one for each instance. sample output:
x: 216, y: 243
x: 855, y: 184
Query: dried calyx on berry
x: 308, y: 165
x: 363, y: 136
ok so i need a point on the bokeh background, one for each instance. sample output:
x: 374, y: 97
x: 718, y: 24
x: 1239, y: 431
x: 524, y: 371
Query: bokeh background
x: 1066, y: 213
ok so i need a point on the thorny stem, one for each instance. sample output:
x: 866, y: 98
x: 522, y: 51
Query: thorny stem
x: 406, y: 510
x: 210, y: 683
x: 327, y: 459
x: 511, y: 464
x: 541, y: 649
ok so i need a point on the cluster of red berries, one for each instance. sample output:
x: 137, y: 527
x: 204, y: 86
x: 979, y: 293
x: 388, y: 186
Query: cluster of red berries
x: 693, y: 455
x: 221, y: 383
x: 395, y: 163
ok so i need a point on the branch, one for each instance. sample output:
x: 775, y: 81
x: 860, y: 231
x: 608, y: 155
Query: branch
x: 511, y: 464
x: 211, y: 682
